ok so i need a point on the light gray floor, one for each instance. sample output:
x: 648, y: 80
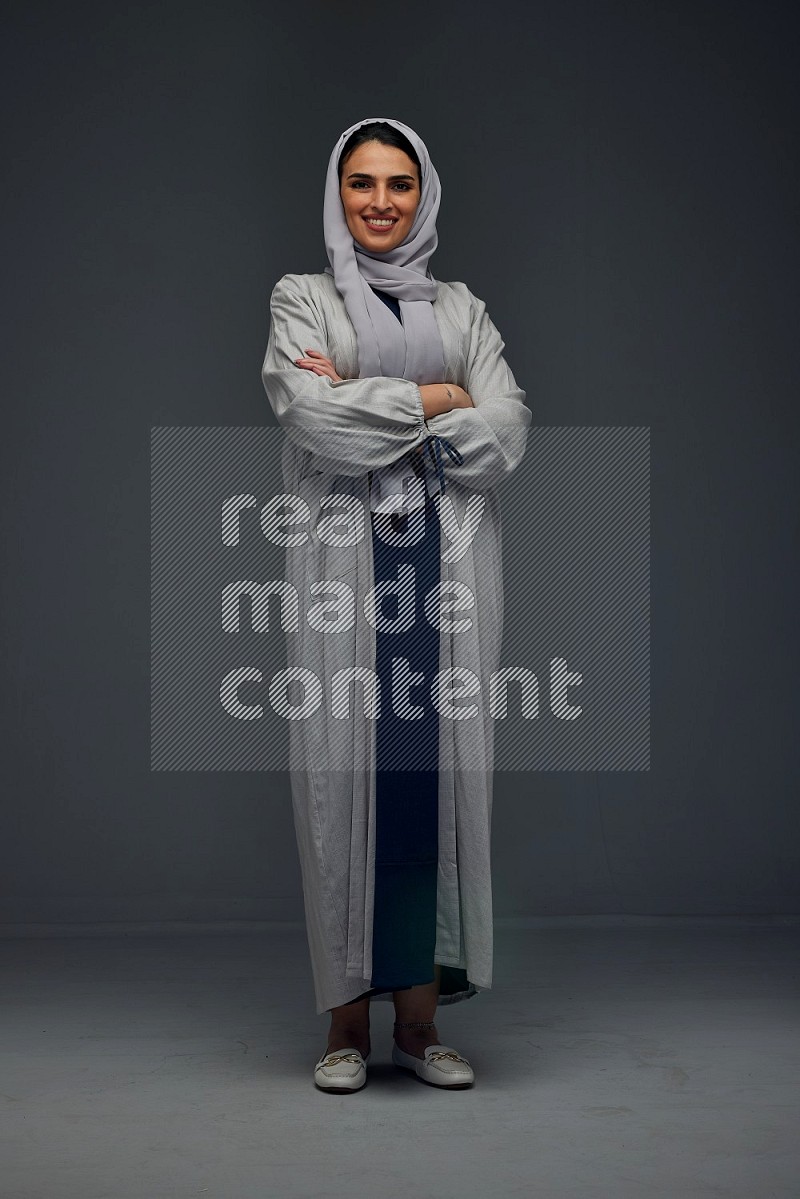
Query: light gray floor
x: 640, y: 1061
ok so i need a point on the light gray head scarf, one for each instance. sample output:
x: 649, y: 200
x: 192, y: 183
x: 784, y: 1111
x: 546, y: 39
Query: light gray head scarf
x: 413, y: 349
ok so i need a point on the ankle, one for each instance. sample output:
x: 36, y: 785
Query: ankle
x: 415, y: 1036
x: 419, y: 1033
x: 340, y: 1036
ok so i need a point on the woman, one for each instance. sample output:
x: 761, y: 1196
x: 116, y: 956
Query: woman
x: 396, y: 401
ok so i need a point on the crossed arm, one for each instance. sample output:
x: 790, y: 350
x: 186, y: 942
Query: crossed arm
x: 436, y: 397
x: 352, y: 426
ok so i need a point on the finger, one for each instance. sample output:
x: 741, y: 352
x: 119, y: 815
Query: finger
x: 319, y: 361
x: 318, y: 368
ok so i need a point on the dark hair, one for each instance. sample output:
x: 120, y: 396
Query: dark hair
x: 379, y: 131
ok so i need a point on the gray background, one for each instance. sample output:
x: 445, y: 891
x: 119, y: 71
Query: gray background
x: 619, y: 186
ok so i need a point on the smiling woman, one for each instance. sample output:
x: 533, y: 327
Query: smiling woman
x: 382, y: 377
x: 380, y: 190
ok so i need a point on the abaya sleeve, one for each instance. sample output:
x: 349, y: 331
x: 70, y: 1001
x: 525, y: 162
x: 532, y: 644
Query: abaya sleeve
x: 353, y: 426
x: 490, y: 436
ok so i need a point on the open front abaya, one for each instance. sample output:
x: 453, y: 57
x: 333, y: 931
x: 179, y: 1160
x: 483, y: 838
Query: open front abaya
x: 336, y: 433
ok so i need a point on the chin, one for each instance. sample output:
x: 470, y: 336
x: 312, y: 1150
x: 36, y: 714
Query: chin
x: 377, y: 244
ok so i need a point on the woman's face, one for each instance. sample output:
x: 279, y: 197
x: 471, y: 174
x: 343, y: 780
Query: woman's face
x: 381, y: 182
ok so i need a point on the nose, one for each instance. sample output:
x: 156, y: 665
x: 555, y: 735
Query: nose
x: 381, y: 200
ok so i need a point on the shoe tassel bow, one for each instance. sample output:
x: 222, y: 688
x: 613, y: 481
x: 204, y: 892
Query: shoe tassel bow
x: 334, y: 1058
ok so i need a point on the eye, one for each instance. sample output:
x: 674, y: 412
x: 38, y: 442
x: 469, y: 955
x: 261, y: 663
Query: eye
x: 359, y: 183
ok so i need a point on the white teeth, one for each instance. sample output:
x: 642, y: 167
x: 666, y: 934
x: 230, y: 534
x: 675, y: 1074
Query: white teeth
x: 374, y: 221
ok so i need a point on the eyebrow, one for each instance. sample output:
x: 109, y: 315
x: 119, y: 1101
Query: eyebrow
x: 363, y: 175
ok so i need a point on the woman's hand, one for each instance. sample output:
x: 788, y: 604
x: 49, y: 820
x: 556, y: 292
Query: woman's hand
x: 319, y: 364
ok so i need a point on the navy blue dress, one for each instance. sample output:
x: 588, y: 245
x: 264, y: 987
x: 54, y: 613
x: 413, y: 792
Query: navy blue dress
x: 406, y: 799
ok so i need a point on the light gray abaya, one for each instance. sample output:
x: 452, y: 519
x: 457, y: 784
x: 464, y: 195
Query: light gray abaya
x: 336, y: 433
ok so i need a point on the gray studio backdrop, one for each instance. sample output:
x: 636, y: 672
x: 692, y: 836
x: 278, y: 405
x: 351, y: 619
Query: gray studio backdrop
x: 619, y: 186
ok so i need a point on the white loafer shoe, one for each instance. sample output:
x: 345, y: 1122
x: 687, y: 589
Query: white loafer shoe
x: 441, y: 1066
x: 341, y: 1071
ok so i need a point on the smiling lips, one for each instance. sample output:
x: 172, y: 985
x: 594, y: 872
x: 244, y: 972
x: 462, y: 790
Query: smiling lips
x: 380, y: 224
